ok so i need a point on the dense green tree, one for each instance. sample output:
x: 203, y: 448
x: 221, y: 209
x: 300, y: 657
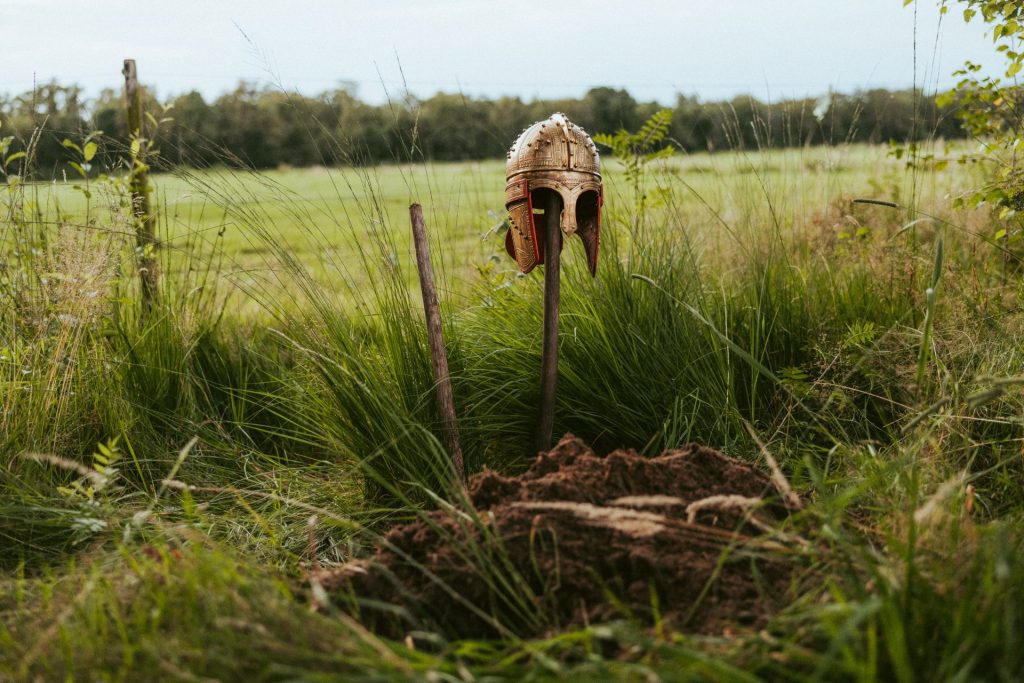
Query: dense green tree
x: 607, y: 109
x: 266, y: 128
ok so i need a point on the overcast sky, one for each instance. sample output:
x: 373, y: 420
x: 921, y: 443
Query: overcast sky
x: 655, y: 48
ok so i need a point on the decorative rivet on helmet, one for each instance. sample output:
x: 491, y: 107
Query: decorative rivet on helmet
x: 554, y: 155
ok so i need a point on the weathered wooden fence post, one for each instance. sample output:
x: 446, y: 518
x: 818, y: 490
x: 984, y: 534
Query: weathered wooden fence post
x: 435, y: 337
x: 138, y: 177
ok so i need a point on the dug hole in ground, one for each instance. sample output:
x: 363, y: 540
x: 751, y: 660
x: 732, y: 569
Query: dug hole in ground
x: 687, y: 540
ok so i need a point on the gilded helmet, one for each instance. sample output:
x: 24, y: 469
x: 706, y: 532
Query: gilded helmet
x: 554, y: 155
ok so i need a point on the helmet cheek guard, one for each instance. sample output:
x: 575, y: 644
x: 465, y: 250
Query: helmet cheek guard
x: 521, y: 240
x: 588, y: 222
x: 554, y: 155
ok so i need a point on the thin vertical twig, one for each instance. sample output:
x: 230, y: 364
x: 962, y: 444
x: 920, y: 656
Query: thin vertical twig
x: 435, y: 337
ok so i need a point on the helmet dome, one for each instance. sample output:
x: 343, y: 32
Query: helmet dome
x: 553, y: 155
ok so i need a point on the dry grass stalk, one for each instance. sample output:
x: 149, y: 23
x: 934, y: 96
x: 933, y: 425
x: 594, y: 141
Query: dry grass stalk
x: 778, y: 478
x: 723, y: 502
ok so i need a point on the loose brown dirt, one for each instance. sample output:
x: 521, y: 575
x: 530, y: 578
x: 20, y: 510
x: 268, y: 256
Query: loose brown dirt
x: 680, y: 539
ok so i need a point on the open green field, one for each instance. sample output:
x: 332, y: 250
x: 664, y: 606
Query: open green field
x: 171, y: 481
x: 325, y: 217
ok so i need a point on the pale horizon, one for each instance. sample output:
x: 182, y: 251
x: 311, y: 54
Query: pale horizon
x: 660, y: 49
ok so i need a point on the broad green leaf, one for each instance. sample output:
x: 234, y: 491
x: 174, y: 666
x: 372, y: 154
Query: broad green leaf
x: 89, y: 151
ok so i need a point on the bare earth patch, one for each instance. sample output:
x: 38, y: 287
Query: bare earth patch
x: 682, y: 538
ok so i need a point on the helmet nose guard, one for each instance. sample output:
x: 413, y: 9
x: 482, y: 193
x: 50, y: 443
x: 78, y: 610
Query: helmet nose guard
x: 554, y: 155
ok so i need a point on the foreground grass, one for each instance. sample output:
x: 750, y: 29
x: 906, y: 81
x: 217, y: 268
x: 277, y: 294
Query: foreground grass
x: 751, y: 296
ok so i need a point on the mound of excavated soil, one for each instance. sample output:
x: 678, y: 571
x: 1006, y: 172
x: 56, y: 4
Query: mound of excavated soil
x: 580, y: 539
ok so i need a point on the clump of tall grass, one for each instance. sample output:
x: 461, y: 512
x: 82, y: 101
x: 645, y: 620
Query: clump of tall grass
x: 81, y: 367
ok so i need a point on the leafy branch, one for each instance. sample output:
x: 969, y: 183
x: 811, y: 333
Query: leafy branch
x: 990, y: 109
x: 636, y: 150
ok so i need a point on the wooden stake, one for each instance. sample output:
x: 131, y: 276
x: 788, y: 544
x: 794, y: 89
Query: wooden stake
x: 438, y: 357
x: 549, y: 362
x: 139, y: 185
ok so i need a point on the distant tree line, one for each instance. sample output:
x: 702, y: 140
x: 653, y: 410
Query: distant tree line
x: 266, y: 128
